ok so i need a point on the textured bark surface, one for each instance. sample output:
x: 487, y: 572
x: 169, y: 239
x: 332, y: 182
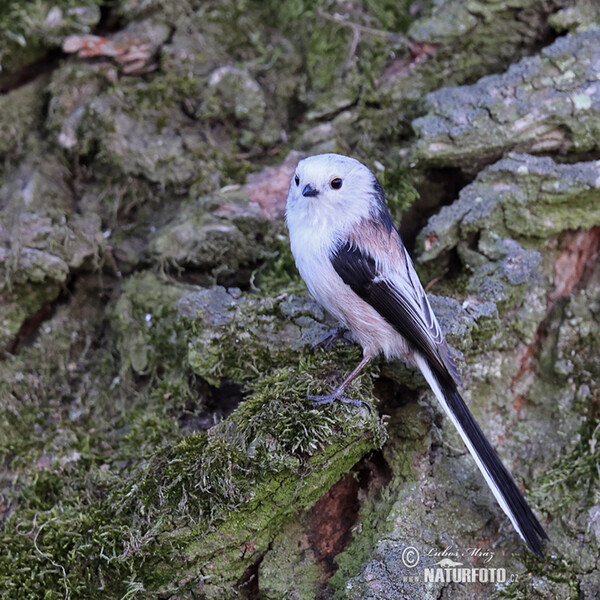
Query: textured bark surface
x: 158, y: 345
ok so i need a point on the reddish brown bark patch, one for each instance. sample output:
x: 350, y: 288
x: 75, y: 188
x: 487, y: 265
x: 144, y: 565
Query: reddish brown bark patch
x: 401, y: 67
x: 575, y: 263
x: 573, y: 267
x: 331, y: 520
x: 269, y: 187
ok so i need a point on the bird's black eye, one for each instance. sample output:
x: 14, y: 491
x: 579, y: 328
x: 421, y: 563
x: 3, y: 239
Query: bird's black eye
x: 336, y: 183
x: 297, y: 180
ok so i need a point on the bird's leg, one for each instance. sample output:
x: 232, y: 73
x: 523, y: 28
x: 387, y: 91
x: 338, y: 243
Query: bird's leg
x: 333, y: 336
x: 337, y: 394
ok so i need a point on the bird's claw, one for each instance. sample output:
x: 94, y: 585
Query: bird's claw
x: 332, y: 337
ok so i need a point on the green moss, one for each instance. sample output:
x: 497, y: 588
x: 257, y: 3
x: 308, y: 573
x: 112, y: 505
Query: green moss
x: 242, y: 338
x: 399, y: 190
x: 274, y: 429
x: 572, y: 480
x: 30, y: 28
x: 108, y: 491
x: 273, y: 457
x: 146, y: 321
x: 108, y: 488
x: 53, y: 554
x: 20, y: 120
x: 59, y: 524
x: 411, y: 435
x: 278, y: 272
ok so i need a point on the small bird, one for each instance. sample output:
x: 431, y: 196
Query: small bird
x: 354, y: 263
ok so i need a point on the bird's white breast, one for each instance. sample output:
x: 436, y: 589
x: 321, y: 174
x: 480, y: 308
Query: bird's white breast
x: 312, y: 243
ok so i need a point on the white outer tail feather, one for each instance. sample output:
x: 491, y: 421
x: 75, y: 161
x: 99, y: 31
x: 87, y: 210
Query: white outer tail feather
x: 433, y: 383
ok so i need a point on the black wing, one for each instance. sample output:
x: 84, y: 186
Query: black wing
x: 400, y: 299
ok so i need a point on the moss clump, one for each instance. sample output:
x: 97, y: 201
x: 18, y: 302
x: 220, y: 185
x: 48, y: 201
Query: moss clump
x: 241, y: 337
x: 59, y: 426
x: 278, y: 272
x: 275, y: 429
x: 110, y: 486
x: 21, y: 112
x: 400, y: 192
x: 238, y: 484
x: 573, y: 478
x: 54, y: 553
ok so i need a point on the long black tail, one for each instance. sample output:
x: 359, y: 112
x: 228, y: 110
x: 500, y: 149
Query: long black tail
x: 497, y: 476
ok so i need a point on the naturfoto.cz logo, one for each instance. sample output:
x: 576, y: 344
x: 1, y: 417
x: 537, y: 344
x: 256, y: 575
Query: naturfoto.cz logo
x: 449, y: 568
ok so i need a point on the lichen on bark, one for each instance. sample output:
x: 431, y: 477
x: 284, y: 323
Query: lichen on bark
x: 546, y: 103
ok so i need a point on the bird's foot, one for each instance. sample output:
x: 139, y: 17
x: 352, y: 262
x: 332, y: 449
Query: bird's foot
x: 333, y: 336
x: 329, y: 398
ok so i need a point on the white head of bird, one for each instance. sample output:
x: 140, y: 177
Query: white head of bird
x: 331, y: 192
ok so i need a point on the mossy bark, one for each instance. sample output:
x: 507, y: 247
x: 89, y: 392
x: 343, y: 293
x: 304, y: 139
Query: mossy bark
x: 158, y: 345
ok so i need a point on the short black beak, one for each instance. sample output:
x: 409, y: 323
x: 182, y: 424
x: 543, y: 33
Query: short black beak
x: 309, y: 190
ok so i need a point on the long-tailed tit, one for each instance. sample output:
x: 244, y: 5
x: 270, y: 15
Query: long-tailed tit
x: 353, y: 261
